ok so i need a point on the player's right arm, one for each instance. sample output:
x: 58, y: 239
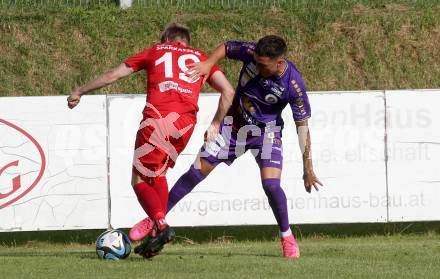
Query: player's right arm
x: 203, y: 68
x: 220, y: 83
x: 234, y: 50
x: 103, y: 80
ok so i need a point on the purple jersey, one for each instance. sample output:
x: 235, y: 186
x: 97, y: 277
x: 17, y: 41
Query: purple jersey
x: 259, y: 101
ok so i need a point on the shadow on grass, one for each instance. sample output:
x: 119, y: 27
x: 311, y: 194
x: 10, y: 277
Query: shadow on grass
x: 59, y: 254
x: 232, y: 233
x: 202, y: 255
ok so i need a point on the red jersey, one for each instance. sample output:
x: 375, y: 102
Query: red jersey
x: 168, y: 88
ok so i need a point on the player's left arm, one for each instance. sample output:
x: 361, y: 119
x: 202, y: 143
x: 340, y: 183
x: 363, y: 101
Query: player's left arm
x: 103, y: 80
x: 305, y: 143
x: 300, y: 105
x: 220, y: 83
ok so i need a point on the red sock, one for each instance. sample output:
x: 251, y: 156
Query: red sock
x: 149, y: 200
x: 161, y: 188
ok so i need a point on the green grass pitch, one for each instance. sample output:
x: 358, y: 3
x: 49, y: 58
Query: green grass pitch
x: 395, y: 256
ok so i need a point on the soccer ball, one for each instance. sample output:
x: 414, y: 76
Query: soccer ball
x: 113, y: 245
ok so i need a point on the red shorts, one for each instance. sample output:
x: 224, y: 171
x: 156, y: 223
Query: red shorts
x: 160, y: 141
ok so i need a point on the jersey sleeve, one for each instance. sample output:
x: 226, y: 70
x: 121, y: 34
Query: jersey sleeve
x: 213, y: 70
x: 138, y: 61
x: 242, y: 51
x: 299, y: 101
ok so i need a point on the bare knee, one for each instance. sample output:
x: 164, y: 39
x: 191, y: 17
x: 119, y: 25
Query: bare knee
x: 268, y: 172
x: 204, y: 166
x: 135, y: 179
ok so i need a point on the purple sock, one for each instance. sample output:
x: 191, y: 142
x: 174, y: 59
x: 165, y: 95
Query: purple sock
x: 277, y: 201
x: 184, y: 185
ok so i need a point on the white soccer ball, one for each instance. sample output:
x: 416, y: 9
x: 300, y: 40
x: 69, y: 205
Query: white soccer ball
x: 113, y: 245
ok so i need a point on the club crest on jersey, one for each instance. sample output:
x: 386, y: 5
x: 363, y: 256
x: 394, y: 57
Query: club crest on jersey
x: 271, y: 99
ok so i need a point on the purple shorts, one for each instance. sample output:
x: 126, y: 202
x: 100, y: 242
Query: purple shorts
x: 265, y: 145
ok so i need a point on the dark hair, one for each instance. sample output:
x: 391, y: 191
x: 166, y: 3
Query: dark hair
x: 271, y: 46
x: 175, y: 31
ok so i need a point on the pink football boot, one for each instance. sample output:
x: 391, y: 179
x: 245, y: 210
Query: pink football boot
x: 142, y: 229
x: 290, y: 247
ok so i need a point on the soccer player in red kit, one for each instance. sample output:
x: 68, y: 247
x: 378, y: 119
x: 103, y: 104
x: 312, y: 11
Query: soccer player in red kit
x: 168, y: 120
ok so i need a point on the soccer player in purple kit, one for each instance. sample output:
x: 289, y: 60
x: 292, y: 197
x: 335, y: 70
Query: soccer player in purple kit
x: 267, y: 83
